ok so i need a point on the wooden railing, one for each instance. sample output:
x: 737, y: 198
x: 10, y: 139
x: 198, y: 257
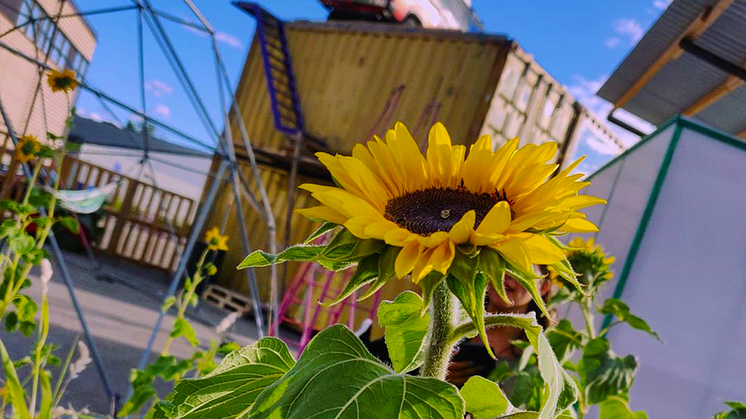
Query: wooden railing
x: 143, y: 223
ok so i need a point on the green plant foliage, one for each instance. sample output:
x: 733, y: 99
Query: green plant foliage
x: 231, y: 389
x: 484, y: 399
x: 336, y: 377
x: 738, y: 411
x: 365, y: 273
x: 618, y: 408
x: 602, y: 373
x: 323, y: 229
x: 13, y: 384
x: 183, y: 328
x: 406, y: 328
x: 564, y: 339
x: 492, y: 265
x: 619, y: 309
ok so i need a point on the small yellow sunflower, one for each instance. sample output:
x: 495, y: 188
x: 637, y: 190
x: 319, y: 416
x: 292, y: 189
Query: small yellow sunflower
x: 428, y: 205
x: 27, y: 149
x: 216, y: 241
x: 62, y: 81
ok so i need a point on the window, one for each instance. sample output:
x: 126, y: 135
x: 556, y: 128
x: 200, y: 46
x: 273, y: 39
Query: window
x: 61, y: 52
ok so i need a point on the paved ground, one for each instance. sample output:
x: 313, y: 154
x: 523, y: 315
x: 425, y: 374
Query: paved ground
x: 121, y: 318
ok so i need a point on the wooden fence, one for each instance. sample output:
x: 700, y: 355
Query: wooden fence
x: 144, y: 224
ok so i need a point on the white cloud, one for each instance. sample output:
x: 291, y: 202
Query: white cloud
x: 90, y: 115
x: 628, y: 28
x: 220, y: 36
x: 611, y: 43
x: 661, y: 4
x: 158, y: 88
x: 228, y: 39
x: 584, y: 90
x: 162, y: 110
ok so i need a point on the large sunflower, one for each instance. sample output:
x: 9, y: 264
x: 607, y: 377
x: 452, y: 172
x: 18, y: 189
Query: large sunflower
x: 428, y: 205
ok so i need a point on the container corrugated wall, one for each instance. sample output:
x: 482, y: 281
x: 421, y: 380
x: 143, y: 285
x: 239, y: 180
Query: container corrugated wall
x: 357, y: 80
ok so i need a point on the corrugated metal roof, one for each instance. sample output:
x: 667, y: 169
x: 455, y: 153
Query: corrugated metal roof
x: 682, y: 82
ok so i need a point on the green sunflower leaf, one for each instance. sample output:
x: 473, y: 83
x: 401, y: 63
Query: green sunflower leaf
x: 385, y: 270
x: 561, y: 389
x: 336, y: 376
x: 231, y: 389
x: 530, y: 415
x: 602, y: 373
x: 618, y: 408
x: 365, y: 273
x: 484, y: 399
x: 564, y: 339
x: 325, y: 227
x: 471, y: 293
x: 428, y: 284
x: 619, y: 309
x: 21, y: 243
x: 405, y: 330
x: 492, y: 264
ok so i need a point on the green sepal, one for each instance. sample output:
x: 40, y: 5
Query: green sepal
x: 564, y: 269
x: 528, y: 281
x: 385, y: 270
x: 345, y: 247
x: 365, y: 273
x: 470, y: 288
x: 297, y: 253
x: 493, y: 265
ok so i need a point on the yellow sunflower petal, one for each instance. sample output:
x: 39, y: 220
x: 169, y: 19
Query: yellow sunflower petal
x: 496, y: 220
x: 399, y: 237
x: 407, y: 258
x: 579, y: 225
x: 442, y: 257
x: 462, y: 230
x: 423, y: 266
x: 515, y: 252
x: 542, y: 251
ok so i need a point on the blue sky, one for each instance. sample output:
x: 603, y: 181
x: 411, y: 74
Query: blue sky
x: 579, y: 42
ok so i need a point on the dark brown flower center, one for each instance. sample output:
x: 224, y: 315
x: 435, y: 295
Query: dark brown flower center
x: 434, y: 209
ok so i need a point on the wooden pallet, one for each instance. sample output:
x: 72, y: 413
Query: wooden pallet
x: 226, y: 299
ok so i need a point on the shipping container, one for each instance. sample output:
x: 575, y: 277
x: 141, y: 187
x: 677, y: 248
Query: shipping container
x: 355, y: 80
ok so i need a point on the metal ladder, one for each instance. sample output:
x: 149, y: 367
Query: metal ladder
x: 278, y: 69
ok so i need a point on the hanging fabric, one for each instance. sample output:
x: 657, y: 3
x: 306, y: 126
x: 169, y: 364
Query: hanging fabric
x: 85, y: 201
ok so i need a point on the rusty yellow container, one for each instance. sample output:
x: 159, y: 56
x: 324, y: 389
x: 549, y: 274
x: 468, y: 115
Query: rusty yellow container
x: 355, y: 80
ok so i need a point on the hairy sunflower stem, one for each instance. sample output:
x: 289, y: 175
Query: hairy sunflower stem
x: 440, y: 346
x: 585, y: 308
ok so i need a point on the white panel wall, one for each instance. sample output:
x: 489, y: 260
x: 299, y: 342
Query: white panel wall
x: 626, y: 185
x: 689, y: 281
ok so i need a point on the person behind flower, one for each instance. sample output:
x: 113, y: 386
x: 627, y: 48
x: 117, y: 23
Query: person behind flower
x: 472, y: 358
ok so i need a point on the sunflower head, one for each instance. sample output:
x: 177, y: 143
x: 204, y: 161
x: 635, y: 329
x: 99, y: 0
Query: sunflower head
x: 216, y: 241
x: 590, y: 262
x: 28, y: 148
x: 447, y: 216
x: 62, y: 81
